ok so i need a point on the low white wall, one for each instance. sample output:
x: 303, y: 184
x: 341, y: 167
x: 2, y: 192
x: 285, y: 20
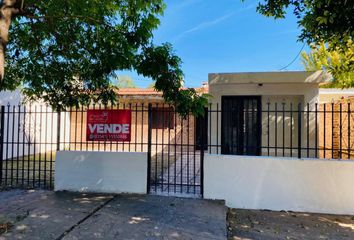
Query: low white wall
x: 311, y: 185
x: 109, y: 172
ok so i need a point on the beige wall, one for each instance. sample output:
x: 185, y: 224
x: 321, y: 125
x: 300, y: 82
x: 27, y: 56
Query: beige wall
x: 284, y: 126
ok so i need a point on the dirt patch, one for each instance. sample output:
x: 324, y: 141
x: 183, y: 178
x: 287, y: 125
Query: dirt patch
x: 8, y: 221
x: 252, y: 224
x: 4, y: 227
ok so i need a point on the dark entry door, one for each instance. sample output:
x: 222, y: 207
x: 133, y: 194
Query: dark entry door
x: 241, y: 125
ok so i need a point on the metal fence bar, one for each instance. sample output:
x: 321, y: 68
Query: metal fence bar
x: 2, y: 131
x: 149, y: 148
x: 40, y: 146
x: 169, y: 150
x: 276, y: 129
x: 308, y: 130
x: 299, y: 132
x: 29, y: 140
x: 202, y: 162
x: 12, y: 144
x: 34, y: 149
x: 46, y: 145
x: 162, y: 149
x: 349, y: 130
x: 316, y: 130
x: 268, y: 128
x: 23, y: 145
x: 324, y: 130
x: 283, y: 132
x: 340, y: 130
x: 291, y: 129
x: 332, y: 135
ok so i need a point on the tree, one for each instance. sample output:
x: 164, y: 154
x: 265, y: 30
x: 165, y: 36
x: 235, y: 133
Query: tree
x: 124, y: 81
x: 320, y: 20
x: 65, y: 51
x: 338, y: 61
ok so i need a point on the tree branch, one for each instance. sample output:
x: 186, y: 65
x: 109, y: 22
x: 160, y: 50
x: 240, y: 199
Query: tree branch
x: 68, y: 17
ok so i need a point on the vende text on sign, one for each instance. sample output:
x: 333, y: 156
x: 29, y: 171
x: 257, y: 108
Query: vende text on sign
x: 108, y: 125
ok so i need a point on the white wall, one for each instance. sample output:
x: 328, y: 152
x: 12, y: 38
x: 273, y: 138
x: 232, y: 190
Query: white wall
x: 109, y: 172
x: 322, y: 186
x: 13, y: 98
x: 27, y: 126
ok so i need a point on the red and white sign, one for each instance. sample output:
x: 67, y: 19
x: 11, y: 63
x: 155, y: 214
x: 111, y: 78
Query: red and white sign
x: 108, y: 125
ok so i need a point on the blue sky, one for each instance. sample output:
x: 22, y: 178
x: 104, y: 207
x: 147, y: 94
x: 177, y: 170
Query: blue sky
x: 225, y: 36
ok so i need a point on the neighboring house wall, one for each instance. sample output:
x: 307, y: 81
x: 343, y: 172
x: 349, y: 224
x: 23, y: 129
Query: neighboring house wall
x: 336, y: 129
x: 328, y: 95
x: 25, y: 126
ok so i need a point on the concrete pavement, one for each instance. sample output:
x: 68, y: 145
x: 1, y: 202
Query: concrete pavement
x: 64, y: 215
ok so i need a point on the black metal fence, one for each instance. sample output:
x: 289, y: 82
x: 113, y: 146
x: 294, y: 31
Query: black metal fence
x: 284, y: 129
x: 28, y: 144
x: 31, y: 135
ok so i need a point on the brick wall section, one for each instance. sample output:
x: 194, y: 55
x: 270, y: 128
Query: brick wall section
x: 183, y: 132
x: 336, y: 129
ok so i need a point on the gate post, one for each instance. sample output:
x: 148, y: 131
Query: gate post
x: 2, y: 129
x: 149, y: 149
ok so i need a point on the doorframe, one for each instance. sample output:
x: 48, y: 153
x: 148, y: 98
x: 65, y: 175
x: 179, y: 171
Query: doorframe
x: 259, y: 117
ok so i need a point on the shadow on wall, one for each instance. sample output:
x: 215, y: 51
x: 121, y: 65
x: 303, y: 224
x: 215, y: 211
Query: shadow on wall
x: 30, y: 130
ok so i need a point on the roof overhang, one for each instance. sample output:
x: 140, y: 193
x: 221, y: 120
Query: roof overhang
x: 305, y: 77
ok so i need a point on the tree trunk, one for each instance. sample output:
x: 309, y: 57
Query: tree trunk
x: 8, y: 8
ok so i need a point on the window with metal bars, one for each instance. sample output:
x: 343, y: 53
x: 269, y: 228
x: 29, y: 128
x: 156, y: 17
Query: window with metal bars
x: 162, y: 118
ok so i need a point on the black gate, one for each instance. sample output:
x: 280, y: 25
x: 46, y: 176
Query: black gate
x: 241, y: 125
x: 174, y: 163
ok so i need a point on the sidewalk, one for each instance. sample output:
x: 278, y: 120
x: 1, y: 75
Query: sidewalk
x: 49, y: 215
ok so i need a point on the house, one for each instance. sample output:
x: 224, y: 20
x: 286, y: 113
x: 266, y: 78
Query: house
x: 167, y: 126
x: 259, y: 113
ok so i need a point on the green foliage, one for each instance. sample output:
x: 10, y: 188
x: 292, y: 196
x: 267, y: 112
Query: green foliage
x: 65, y: 51
x: 123, y: 81
x: 338, y: 61
x: 320, y: 20
x: 162, y: 65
